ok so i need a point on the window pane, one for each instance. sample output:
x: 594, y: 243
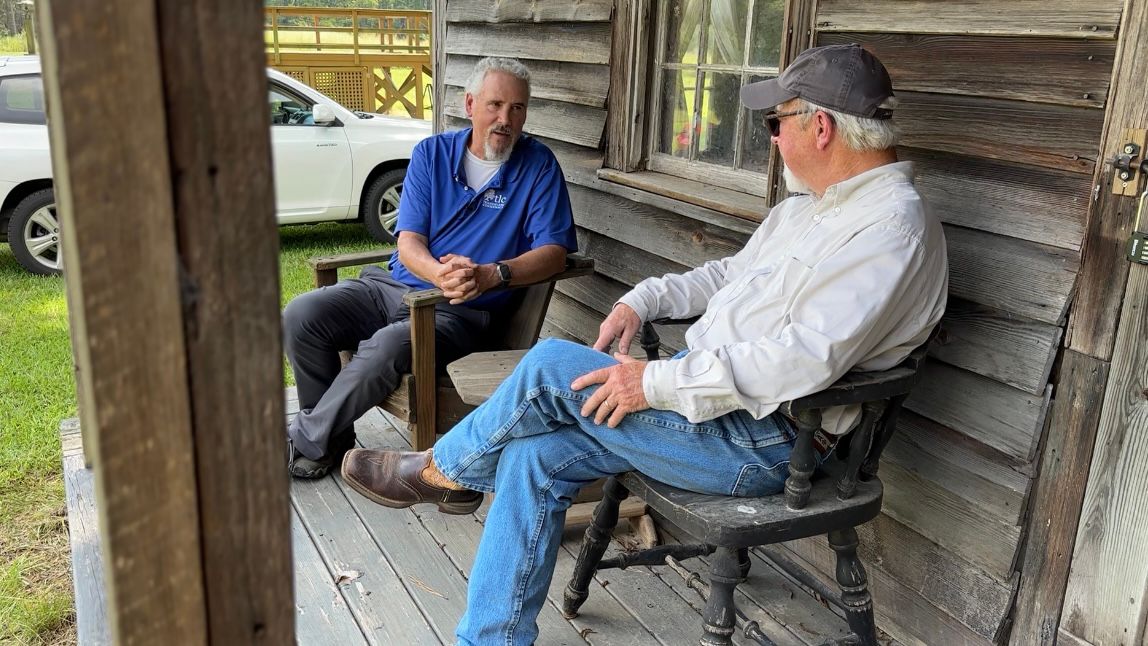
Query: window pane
x: 725, y: 38
x: 22, y: 100
x: 755, y: 150
x: 768, y: 16
x: 718, y: 126
x: 682, y: 29
x: 677, y: 106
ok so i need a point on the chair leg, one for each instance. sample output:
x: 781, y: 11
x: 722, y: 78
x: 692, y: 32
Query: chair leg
x: 720, y: 616
x: 594, y: 543
x: 743, y: 562
x: 854, y: 587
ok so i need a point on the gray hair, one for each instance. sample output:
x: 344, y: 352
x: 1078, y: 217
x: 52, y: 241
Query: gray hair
x: 496, y: 64
x: 859, y: 133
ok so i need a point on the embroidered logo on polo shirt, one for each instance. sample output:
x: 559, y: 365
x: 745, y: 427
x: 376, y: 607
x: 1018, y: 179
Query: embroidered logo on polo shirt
x: 492, y: 200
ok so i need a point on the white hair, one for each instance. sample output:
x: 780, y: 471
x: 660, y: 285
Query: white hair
x: 493, y: 63
x: 859, y: 133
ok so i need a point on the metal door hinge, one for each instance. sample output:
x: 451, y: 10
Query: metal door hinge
x: 1130, y: 163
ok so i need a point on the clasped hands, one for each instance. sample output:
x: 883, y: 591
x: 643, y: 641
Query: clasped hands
x: 461, y: 279
x: 620, y: 392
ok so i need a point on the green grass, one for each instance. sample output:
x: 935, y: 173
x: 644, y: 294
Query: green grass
x: 13, y: 44
x: 37, y: 390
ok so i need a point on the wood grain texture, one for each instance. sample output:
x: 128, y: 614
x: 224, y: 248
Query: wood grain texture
x: 570, y: 122
x: 901, y: 611
x: 229, y: 261
x: 1020, y: 201
x: 114, y: 191
x: 623, y: 263
x: 1107, y: 595
x: 529, y: 11
x: 965, y: 529
x: 952, y: 472
x: 990, y: 412
x: 388, y: 615
x: 88, y: 588
x: 1092, y: 326
x: 1012, y: 275
x: 569, y: 82
x: 654, y: 230
x: 1057, y: 499
x: 565, y: 42
x: 1050, y: 136
x: 1068, y: 71
x: 425, y: 373
x: 626, y: 112
x: 940, y: 577
x: 918, y: 436
x: 322, y: 613
x: 997, y: 345
x: 1059, y: 18
x: 438, y: 51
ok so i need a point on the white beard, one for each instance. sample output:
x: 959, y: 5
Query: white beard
x: 792, y: 184
x: 490, y: 154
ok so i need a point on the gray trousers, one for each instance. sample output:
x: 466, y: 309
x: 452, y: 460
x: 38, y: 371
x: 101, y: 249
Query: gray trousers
x: 365, y: 315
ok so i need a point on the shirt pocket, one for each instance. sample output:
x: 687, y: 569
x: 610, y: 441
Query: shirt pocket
x: 771, y: 294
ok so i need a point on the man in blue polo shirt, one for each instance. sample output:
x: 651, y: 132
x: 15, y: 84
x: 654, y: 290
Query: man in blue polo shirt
x: 481, y: 208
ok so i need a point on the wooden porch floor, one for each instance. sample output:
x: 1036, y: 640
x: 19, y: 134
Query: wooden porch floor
x: 365, y: 574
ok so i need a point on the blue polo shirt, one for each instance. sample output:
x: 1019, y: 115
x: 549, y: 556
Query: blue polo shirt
x: 523, y: 207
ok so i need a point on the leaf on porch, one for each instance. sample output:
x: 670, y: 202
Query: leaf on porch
x: 346, y: 576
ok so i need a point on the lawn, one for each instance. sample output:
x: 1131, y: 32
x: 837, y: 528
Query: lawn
x: 37, y: 391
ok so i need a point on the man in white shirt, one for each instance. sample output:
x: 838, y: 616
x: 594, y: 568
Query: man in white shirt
x: 852, y: 274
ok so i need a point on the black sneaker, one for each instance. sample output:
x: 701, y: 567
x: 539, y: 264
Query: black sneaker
x: 301, y: 466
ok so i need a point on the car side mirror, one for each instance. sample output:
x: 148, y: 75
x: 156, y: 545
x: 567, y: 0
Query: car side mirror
x: 322, y: 114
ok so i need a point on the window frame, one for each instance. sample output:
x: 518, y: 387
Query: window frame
x: 741, y: 180
x: 43, y: 111
x: 633, y: 116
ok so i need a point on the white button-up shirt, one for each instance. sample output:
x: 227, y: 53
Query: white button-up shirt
x: 857, y: 278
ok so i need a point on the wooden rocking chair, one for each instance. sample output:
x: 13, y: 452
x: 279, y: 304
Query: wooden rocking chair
x: 428, y: 401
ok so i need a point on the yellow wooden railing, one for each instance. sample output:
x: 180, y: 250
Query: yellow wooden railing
x: 375, y: 60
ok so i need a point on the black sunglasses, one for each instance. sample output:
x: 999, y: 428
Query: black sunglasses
x: 772, y: 120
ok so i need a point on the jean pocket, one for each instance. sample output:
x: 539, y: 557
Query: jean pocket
x: 757, y: 479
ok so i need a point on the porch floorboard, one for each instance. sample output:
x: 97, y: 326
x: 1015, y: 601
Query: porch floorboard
x: 365, y: 574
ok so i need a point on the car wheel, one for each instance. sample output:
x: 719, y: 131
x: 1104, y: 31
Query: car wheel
x: 34, y: 233
x: 381, y: 208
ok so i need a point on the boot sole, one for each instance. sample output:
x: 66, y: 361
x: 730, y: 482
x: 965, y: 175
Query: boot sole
x: 453, y: 508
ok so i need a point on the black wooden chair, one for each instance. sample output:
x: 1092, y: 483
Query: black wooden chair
x: 833, y: 500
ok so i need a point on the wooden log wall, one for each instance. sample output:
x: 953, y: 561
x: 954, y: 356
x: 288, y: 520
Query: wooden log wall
x: 1003, y: 109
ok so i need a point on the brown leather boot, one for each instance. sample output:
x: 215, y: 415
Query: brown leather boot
x: 393, y: 479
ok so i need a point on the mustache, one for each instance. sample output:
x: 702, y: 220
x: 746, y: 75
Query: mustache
x: 502, y: 130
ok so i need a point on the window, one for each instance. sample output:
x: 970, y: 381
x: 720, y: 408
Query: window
x: 22, y: 100
x: 704, y: 51
x: 288, y: 109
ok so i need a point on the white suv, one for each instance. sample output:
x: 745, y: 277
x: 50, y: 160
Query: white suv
x: 331, y: 164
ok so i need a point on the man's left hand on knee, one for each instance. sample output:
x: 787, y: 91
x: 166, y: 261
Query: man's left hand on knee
x: 620, y: 394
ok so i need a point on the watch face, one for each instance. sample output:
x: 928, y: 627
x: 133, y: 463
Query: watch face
x: 503, y: 272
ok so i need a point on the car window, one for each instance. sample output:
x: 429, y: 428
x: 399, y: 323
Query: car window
x: 288, y: 109
x: 22, y: 100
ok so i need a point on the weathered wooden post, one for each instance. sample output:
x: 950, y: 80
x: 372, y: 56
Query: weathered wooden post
x: 172, y: 275
x: 29, y: 24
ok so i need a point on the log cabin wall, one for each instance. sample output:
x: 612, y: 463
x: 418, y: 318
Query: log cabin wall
x: 1002, y: 107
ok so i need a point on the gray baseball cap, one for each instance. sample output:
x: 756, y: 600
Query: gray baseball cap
x: 846, y: 78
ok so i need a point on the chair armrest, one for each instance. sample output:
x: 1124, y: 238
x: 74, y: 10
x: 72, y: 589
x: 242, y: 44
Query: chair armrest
x: 577, y: 265
x: 350, y: 259
x: 326, y: 268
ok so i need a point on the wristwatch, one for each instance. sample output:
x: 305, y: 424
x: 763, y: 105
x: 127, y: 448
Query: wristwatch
x: 503, y: 273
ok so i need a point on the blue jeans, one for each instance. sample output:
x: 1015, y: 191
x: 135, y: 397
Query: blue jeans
x: 530, y: 443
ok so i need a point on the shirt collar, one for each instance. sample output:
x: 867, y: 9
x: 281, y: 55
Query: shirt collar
x: 458, y: 154
x: 847, y: 189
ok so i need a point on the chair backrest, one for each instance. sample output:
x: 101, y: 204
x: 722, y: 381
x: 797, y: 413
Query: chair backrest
x: 881, y: 395
x: 528, y: 311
